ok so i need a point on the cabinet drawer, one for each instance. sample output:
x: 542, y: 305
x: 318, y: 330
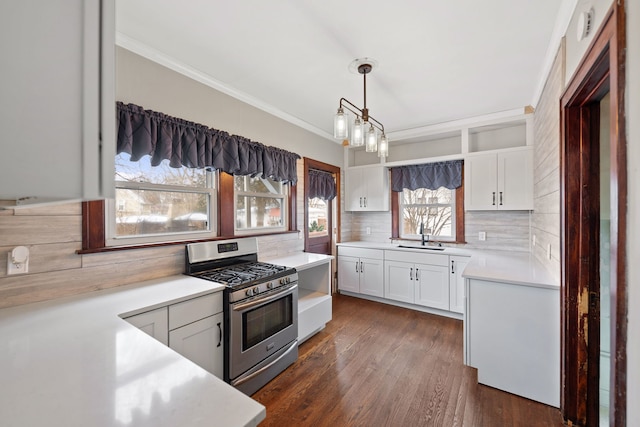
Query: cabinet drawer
x: 417, y: 257
x: 189, y: 311
x: 361, y: 252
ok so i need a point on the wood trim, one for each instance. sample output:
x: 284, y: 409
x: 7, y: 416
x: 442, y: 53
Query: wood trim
x: 226, y: 205
x: 600, y: 71
x: 93, y: 226
x: 293, y: 207
x: 619, y: 202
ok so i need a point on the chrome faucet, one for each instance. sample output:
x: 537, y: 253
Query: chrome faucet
x: 422, y: 233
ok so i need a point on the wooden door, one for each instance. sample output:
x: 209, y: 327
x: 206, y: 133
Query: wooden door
x: 320, y: 226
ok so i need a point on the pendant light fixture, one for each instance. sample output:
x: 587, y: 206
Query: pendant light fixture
x: 365, y: 128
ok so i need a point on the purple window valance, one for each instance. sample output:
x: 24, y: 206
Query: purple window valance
x: 429, y: 175
x: 321, y: 185
x: 144, y: 132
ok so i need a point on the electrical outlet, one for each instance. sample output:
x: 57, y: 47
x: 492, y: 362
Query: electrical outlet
x: 549, y: 251
x: 368, y: 230
x: 482, y: 236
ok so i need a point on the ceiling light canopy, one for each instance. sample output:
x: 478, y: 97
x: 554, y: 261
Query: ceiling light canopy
x: 365, y: 128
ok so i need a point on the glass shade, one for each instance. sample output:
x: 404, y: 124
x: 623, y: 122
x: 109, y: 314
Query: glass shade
x: 371, y: 140
x: 383, y: 146
x: 357, y: 137
x: 340, y: 125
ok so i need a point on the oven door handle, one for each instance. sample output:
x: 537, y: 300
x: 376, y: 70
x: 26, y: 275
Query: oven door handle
x: 264, y: 300
x: 243, y: 380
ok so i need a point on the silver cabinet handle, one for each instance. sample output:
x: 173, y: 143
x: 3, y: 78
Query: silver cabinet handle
x: 357, y: 267
x: 360, y: 201
x: 361, y: 267
x: 411, y: 274
x: 501, y: 198
x: 452, y: 267
x: 417, y: 274
x: 365, y: 202
x: 494, y: 198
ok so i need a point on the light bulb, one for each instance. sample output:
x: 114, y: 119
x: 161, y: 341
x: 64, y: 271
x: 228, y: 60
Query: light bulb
x: 340, y: 125
x: 357, y: 138
x: 372, y: 140
x: 383, y: 146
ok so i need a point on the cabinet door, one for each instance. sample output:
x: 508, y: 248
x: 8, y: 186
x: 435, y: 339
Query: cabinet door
x: 354, y: 190
x: 515, y: 180
x: 371, y: 277
x: 398, y: 281
x: 376, y: 183
x: 201, y: 342
x: 432, y: 286
x: 480, y: 175
x: 456, y: 286
x: 57, y: 91
x: 154, y: 323
x: 348, y: 273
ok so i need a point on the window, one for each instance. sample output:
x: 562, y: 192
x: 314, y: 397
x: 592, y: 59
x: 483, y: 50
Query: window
x: 435, y: 210
x: 260, y: 204
x: 160, y: 203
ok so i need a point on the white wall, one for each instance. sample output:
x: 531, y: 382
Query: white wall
x: 633, y: 215
x: 576, y: 49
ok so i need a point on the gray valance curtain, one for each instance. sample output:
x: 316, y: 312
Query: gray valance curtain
x: 321, y: 184
x: 429, y: 175
x: 144, y: 132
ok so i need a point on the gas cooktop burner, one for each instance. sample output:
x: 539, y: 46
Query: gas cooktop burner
x: 240, y: 274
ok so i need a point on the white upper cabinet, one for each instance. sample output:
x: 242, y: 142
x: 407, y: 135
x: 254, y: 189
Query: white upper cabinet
x: 57, y: 100
x: 367, y: 189
x: 499, y: 181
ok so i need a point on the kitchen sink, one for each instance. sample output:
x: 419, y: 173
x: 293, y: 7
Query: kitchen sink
x: 427, y: 248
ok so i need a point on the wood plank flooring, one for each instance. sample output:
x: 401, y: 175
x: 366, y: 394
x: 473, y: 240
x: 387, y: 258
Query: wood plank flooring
x: 380, y: 365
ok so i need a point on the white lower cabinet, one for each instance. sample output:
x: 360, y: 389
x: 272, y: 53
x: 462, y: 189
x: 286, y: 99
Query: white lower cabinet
x: 194, y: 328
x: 417, y: 278
x: 361, y: 270
x: 432, y: 286
x: 456, y: 286
x: 154, y: 323
x: 201, y: 342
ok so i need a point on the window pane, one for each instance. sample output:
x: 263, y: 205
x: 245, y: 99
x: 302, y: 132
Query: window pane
x: 142, y: 171
x: 433, y: 208
x: 248, y: 184
x: 143, y: 212
x: 318, y: 218
x: 253, y: 212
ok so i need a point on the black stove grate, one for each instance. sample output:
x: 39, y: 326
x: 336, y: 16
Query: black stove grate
x: 240, y: 274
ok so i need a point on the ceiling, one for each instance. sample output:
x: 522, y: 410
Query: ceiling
x: 437, y: 61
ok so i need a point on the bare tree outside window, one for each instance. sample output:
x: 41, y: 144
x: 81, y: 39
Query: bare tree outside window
x: 260, y: 203
x: 433, y: 208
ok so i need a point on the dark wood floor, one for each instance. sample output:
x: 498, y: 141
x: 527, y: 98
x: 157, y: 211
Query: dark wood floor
x: 380, y: 365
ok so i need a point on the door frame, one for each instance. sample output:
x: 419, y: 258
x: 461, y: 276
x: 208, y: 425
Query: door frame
x: 334, y: 205
x: 601, y: 70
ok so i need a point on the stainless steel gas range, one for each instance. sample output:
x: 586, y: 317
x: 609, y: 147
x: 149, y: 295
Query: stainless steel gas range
x: 260, y: 309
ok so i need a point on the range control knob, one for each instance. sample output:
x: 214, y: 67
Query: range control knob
x: 283, y: 281
x: 249, y: 292
x: 270, y: 285
x: 256, y: 290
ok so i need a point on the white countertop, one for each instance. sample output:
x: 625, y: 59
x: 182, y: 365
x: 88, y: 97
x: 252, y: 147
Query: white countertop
x: 416, y: 248
x: 301, y: 260
x: 519, y: 268
x: 511, y: 267
x: 75, y: 362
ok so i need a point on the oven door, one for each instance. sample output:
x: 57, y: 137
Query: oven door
x: 260, y: 327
